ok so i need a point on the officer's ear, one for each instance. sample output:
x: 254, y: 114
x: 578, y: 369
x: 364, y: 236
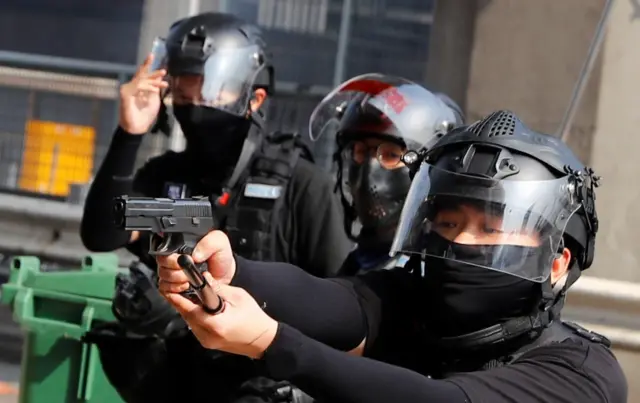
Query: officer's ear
x: 560, y: 265
x: 259, y: 96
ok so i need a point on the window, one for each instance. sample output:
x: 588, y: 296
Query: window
x: 305, y: 16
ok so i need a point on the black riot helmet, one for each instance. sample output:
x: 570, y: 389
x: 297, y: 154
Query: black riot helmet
x: 534, y: 197
x: 377, y: 119
x: 215, y: 64
x: 228, y: 55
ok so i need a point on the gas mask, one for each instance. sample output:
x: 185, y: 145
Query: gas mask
x: 378, y: 196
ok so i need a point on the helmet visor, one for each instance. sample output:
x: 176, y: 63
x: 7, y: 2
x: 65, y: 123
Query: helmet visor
x: 407, y: 110
x: 511, y: 222
x: 159, y: 52
x: 224, y: 81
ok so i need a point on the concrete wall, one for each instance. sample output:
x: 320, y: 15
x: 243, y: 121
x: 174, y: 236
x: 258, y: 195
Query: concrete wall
x: 450, y: 48
x: 616, y: 142
x: 526, y: 56
x: 520, y: 55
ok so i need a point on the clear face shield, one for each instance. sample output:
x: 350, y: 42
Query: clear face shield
x: 224, y: 81
x: 509, y: 221
x: 379, y: 118
x: 413, y: 114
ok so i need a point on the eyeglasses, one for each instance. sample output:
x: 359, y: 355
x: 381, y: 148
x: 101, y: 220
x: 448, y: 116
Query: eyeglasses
x: 389, y: 155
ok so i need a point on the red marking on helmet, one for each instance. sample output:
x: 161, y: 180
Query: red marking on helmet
x: 372, y: 87
x: 388, y: 92
x: 394, y: 99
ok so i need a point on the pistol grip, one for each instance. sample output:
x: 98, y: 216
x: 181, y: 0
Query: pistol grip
x: 200, y: 287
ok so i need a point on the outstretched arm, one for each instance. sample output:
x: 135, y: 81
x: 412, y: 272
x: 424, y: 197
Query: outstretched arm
x: 327, y: 310
x: 331, y: 375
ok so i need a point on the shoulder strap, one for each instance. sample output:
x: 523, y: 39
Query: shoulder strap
x: 558, y: 332
x: 251, y: 144
x: 587, y: 334
x: 280, y: 137
x: 277, y: 158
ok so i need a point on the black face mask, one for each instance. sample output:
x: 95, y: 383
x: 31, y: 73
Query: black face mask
x: 378, y: 196
x: 214, y: 137
x: 462, y: 298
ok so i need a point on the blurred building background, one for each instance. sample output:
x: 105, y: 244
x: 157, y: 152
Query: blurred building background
x: 61, y: 62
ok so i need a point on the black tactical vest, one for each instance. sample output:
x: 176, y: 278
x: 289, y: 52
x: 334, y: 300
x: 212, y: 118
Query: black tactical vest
x: 557, y: 332
x: 256, y: 208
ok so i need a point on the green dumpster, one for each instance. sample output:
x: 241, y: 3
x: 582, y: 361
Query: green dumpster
x: 55, y: 309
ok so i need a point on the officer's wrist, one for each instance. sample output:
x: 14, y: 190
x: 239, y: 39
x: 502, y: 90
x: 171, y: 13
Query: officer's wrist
x: 265, y: 340
x: 129, y: 132
x: 124, y: 149
x: 124, y: 141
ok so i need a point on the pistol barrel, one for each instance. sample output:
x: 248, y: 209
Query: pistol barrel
x: 160, y: 215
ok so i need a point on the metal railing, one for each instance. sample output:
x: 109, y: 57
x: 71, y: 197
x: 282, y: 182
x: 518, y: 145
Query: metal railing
x: 609, y: 307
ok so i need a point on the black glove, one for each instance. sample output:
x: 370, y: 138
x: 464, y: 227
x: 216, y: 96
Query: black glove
x: 130, y: 361
x: 264, y: 390
x: 139, y: 307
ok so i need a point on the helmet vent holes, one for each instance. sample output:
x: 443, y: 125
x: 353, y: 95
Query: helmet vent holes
x: 478, y: 127
x: 503, y: 125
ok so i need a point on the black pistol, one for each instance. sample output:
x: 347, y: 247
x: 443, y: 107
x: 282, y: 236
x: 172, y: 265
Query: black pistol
x: 176, y: 226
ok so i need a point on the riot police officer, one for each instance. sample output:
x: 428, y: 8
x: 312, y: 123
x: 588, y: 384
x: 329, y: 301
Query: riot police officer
x: 216, y: 71
x: 372, y: 180
x: 219, y: 75
x: 504, y: 219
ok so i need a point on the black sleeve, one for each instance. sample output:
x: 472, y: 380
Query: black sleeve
x: 322, y: 243
x: 330, y: 311
x: 330, y: 375
x: 97, y: 231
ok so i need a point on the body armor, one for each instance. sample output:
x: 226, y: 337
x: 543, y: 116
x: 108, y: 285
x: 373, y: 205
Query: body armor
x: 255, y: 210
x: 557, y: 332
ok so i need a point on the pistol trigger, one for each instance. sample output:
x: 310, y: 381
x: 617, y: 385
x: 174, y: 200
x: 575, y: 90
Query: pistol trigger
x: 155, y: 243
